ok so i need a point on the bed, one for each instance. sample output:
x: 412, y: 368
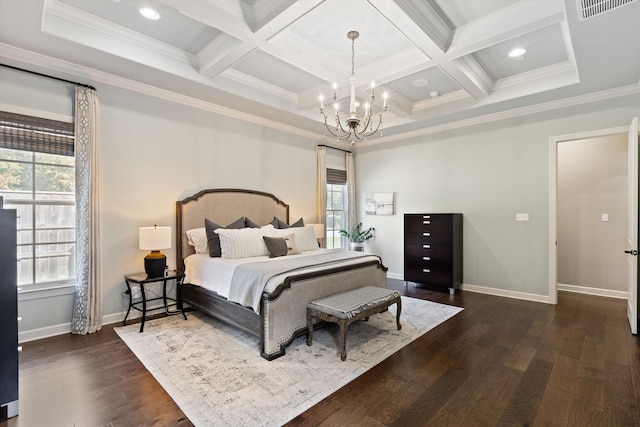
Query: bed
x: 280, y: 314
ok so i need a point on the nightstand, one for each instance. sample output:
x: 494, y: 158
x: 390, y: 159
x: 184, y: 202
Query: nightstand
x: 142, y: 279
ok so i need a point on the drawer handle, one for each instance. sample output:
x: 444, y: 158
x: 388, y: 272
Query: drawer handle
x: 426, y: 222
x: 426, y: 216
x: 426, y: 246
x: 426, y: 234
x: 426, y: 258
x: 426, y: 270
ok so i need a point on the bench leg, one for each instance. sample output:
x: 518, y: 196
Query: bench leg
x: 399, y: 309
x: 343, y: 339
x: 309, y: 328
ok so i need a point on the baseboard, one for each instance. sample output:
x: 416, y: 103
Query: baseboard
x: 609, y: 293
x: 395, y: 276
x: 492, y: 291
x: 506, y: 293
x: 65, y: 328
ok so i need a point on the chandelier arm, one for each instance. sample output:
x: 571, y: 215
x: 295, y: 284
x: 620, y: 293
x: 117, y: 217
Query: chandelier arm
x: 339, y: 132
x: 365, y: 134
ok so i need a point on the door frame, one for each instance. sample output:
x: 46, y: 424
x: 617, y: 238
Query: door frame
x: 553, y: 194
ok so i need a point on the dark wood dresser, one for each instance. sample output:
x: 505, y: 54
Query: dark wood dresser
x: 433, y: 249
x: 8, y: 314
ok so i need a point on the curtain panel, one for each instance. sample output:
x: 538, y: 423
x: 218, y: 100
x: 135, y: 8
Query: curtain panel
x: 321, y: 188
x: 351, y: 192
x: 87, y: 309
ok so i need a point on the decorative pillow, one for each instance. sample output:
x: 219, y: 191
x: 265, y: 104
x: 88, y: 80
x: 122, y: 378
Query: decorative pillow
x: 197, y: 238
x: 251, y: 224
x: 213, y: 240
x: 305, y: 237
x: 243, y: 243
x: 278, y: 223
x: 281, y: 246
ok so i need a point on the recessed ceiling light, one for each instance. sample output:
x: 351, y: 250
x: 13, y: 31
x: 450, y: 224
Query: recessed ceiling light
x: 149, y: 13
x: 420, y: 83
x: 518, y: 53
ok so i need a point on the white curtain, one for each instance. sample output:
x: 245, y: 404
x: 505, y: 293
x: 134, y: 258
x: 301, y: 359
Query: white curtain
x: 321, y: 188
x: 87, y: 308
x: 351, y: 192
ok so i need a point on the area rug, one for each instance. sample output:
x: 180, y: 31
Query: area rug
x: 215, y: 374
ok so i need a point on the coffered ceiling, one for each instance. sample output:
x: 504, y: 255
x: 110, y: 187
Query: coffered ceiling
x: 444, y: 62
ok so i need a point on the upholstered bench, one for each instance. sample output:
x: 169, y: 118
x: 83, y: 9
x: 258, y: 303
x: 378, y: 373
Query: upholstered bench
x: 347, y: 307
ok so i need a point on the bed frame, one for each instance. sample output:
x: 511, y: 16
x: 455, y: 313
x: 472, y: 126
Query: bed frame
x: 283, y: 312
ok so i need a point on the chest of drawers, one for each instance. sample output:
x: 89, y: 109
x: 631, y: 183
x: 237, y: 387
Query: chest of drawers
x: 8, y: 315
x: 433, y: 249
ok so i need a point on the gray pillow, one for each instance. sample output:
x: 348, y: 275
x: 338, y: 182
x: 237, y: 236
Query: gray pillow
x: 281, y: 246
x: 278, y: 223
x: 213, y: 239
x: 251, y: 224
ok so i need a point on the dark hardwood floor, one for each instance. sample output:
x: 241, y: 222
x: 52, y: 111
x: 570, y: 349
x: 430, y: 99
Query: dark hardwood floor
x: 499, y: 362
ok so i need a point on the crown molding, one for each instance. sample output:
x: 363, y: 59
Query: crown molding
x: 458, y: 95
x: 429, y: 21
x: 260, y: 85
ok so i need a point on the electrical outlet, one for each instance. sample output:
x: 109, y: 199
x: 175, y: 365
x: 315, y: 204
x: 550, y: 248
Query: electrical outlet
x: 605, y: 217
x: 522, y: 217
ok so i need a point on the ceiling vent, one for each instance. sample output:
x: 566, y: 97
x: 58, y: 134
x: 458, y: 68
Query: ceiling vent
x: 590, y: 8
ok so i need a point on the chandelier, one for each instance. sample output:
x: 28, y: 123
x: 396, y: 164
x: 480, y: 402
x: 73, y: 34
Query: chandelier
x: 354, y: 127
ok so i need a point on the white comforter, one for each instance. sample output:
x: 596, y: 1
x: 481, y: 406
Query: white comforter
x: 215, y: 274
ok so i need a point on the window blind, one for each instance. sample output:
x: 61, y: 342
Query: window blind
x: 27, y: 133
x: 336, y: 176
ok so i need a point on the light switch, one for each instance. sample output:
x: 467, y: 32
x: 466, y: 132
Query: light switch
x: 605, y: 217
x: 522, y: 217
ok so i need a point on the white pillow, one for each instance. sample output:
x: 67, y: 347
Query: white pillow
x: 242, y: 243
x: 197, y: 238
x: 305, y: 236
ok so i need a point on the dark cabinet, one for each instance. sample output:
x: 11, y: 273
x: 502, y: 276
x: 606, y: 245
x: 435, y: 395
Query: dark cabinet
x: 8, y: 314
x: 433, y: 249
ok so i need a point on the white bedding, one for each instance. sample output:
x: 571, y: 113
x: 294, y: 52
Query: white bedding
x: 215, y: 274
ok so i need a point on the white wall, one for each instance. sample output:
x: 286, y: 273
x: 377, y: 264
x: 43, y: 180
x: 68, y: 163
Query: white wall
x: 592, y: 180
x: 488, y: 173
x: 153, y: 153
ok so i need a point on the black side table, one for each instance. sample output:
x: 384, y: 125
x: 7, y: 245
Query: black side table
x: 142, y: 279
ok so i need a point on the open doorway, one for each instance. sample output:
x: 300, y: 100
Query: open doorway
x: 631, y: 217
x: 592, y: 216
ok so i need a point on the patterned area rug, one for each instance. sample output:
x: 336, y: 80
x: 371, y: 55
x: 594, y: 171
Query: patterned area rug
x: 216, y: 376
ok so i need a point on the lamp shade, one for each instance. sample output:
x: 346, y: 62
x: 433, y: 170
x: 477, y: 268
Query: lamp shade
x: 154, y: 238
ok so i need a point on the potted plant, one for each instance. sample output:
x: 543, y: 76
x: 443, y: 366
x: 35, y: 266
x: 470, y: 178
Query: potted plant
x: 358, y: 236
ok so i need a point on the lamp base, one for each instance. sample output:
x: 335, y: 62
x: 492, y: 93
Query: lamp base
x: 155, y: 263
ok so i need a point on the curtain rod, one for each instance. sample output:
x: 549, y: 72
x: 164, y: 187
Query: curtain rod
x: 50, y: 77
x: 334, y: 148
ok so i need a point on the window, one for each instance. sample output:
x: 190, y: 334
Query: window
x: 336, y: 207
x: 37, y: 178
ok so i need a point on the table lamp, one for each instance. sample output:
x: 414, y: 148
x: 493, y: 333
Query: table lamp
x: 153, y: 239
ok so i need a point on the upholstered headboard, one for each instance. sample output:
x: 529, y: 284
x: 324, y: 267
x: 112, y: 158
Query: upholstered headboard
x: 223, y: 206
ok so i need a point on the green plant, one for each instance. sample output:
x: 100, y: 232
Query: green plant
x: 358, y: 235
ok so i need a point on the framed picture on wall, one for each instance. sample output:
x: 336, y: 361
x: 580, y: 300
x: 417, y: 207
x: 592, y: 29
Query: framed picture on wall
x: 379, y: 204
